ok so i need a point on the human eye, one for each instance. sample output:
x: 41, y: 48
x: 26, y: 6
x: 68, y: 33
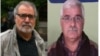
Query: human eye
x: 66, y: 18
x: 23, y: 15
x: 78, y: 18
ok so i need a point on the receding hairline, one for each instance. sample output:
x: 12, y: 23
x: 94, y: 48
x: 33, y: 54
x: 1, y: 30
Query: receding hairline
x: 26, y: 6
x: 26, y: 3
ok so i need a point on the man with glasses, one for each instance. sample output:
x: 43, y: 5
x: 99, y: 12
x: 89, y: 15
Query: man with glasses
x: 23, y: 40
x: 72, y: 41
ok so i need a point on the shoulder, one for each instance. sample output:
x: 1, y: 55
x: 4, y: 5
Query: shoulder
x: 52, y: 50
x: 5, y: 37
x: 5, y: 34
x: 52, y: 46
x: 93, y: 48
x: 38, y: 38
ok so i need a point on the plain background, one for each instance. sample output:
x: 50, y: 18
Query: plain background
x: 90, y: 27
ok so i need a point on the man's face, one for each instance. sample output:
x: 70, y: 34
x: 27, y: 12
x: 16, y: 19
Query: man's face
x: 25, y: 18
x: 72, y: 22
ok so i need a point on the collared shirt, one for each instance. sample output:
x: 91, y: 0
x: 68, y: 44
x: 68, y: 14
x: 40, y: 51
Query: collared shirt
x: 84, y: 48
x: 70, y: 53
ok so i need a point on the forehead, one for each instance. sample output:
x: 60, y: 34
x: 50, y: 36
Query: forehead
x: 72, y: 11
x: 25, y: 9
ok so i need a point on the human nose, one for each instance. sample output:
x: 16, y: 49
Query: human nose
x: 73, y: 22
x: 27, y: 19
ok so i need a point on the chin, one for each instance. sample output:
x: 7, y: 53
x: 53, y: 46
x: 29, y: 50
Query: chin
x: 26, y: 30
x: 72, y: 38
x: 72, y: 35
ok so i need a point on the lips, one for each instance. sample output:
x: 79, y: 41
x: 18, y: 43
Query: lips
x: 26, y: 25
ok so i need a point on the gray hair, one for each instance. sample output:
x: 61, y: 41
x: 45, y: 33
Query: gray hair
x: 25, y: 3
x: 72, y: 3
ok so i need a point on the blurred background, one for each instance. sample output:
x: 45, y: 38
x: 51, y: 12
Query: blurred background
x: 91, y: 19
x: 7, y: 20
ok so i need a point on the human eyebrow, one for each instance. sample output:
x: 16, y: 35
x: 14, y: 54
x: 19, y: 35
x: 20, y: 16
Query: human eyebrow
x: 79, y: 16
x: 66, y: 15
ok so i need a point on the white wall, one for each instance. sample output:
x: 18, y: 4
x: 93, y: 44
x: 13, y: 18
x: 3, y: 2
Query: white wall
x: 91, y: 21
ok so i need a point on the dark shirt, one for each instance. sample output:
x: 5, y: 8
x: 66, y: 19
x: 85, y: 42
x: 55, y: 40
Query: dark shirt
x: 85, y: 48
x: 27, y: 48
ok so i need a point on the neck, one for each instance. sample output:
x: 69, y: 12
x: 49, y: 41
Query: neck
x: 72, y: 45
x: 25, y: 36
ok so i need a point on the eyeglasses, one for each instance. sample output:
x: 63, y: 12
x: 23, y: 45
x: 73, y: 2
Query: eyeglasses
x: 77, y: 18
x: 23, y: 16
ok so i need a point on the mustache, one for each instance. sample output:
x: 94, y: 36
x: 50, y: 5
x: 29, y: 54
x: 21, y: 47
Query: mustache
x: 27, y: 24
x: 72, y: 29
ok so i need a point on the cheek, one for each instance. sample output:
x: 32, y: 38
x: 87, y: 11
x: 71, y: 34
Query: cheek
x: 18, y: 21
x: 64, y: 26
x: 80, y: 27
x: 33, y: 22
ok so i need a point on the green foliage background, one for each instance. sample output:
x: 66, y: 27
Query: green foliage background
x: 6, y: 5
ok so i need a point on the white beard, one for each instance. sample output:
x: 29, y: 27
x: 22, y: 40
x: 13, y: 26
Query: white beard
x: 25, y: 30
